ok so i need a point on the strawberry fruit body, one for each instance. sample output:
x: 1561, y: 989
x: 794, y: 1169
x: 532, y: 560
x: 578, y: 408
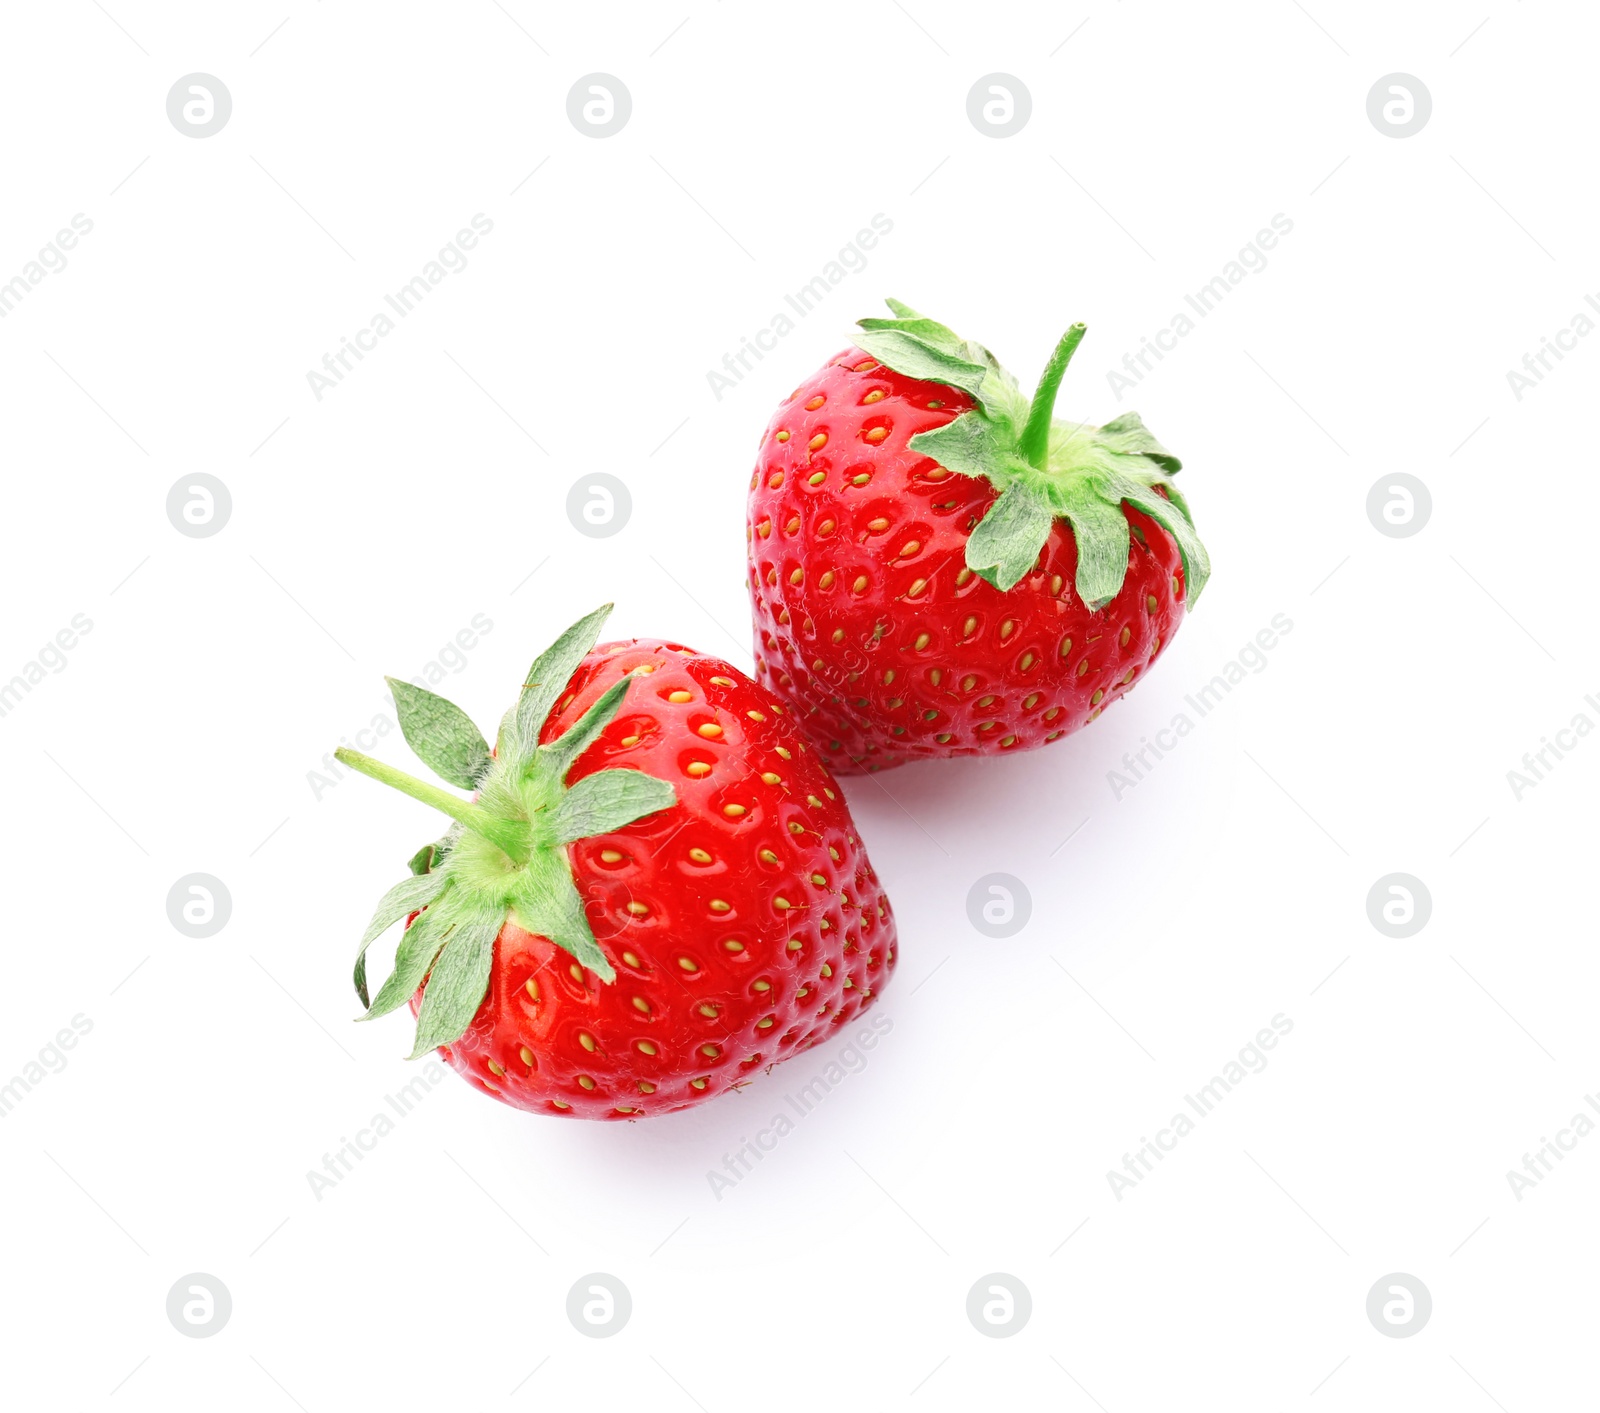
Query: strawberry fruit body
x: 656, y: 890
x: 938, y: 567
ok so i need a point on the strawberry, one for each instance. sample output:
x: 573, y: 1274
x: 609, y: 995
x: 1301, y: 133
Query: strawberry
x: 656, y: 889
x: 939, y: 568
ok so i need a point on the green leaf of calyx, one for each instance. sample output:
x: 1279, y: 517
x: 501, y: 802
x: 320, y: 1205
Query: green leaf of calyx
x: 419, y: 945
x: 1173, y: 517
x: 1005, y: 544
x: 430, y: 856
x: 457, y: 983
x: 1101, y: 531
x: 549, y: 906
x: 441, y: 734
x: 1083, y: 474
x: 548, y: 677
x: 572, y: 743
x: 607, y: 800
x: 922, y: 348
x: 406, y: 897
x: 507, y: 853
x: 1127, y: 435
x: 975, y: 445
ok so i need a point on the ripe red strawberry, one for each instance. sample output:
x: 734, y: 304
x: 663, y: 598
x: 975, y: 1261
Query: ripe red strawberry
x: 656, y: 890
x: 938, y: 568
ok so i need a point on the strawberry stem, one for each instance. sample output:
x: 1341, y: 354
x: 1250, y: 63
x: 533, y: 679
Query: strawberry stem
x: 1034, y: 442
x: 503, y: 834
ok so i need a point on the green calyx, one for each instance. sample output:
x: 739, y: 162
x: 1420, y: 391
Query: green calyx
x: 505, y: 857
x: 1044, y: 469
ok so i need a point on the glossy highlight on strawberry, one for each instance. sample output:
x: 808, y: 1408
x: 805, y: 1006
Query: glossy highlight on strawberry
x: 939, y: 568
x: 720, y: 918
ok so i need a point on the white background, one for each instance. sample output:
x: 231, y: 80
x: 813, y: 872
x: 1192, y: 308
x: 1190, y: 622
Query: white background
x: 1227, y: 887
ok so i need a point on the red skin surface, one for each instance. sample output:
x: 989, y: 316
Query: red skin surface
x: 924, y: 660
x: 528, y: 1048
